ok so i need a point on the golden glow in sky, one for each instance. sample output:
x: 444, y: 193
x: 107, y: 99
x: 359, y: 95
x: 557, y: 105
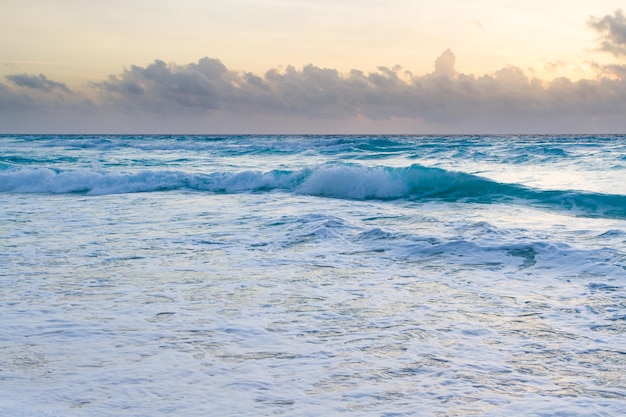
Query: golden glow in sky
x: 76, y: 40
x: 247, y: 66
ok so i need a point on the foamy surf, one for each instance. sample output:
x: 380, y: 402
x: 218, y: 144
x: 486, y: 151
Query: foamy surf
x: 312, y: 275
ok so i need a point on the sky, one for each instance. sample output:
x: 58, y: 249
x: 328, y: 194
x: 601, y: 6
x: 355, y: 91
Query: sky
x: 312, y: 66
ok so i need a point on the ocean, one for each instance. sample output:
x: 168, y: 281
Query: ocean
x: 304, y: 275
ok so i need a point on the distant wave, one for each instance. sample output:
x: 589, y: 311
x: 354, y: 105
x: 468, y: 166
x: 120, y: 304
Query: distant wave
x: 346, y: 181
x: 526, y: 149
x: 99, y: 182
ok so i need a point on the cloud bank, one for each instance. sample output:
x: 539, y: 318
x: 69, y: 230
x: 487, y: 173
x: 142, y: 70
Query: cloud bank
x: 442, y: 98
x: 208, y: 97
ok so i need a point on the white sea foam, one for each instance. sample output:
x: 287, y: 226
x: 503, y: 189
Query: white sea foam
x: 353, y: 182
x: 353, y: 276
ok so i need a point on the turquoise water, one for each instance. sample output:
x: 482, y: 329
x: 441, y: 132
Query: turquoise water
x: 312, y: 275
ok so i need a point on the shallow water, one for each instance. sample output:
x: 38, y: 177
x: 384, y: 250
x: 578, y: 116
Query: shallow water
x: 256, y: 276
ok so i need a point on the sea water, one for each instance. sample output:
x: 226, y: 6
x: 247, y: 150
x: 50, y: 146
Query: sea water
x: 312, y: 275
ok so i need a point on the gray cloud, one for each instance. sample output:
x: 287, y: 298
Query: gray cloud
x: 37, y: 82
x: 206, y: 96
x: 442, y: 98
x: 161, y: 87
x: 613, y: 32
x: 11, y: 101
x: 444, y: 65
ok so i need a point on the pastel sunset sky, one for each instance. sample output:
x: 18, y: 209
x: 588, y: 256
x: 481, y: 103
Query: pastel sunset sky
x: 312, y: 66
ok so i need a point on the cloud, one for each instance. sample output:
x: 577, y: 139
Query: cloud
x: 37, y: 82
x: 9, y: 99
x: 443, y: 98
x: 613, y: 31
x: 444, y: 65
x: 161, y: 87
x: 311, y: 91
x: 208, y: 97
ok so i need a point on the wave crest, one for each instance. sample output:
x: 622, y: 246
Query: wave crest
x: 337, y: 181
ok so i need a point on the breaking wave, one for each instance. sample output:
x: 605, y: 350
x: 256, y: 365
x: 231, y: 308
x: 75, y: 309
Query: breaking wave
x: 345, y: 181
